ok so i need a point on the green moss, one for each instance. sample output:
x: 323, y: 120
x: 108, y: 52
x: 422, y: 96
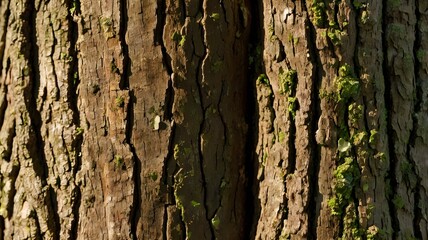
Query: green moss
x: 343, y: 145
x: 195, y: 203
x: 292, y: 106
x: 215, y: 16
x: 329, y: 96
x: 262, y: 79
x: 355, y: 112
x: 120, y: 102
x: 287, y: 81
x: 176, y: 151
x: 153, y: 176
x: 347, y: 85
x: 335, y: 36
x: 215, y: 221
x: 365, y: 16
x: 265, y: 157
x: 74, y: 7
x: 76, y: 78
x: 359, y: 138
x: 281, y: 136
x: 318, y: 10
x: 182, y: 41
x: 398, y: 202
x: 107, y: 26
x: 118, y: 161
x: 373, y: 136
x: 178, y: 38
x: 421, y: 55
x: 79, y: 131
x: 346, y: 176
x: 357, y: 4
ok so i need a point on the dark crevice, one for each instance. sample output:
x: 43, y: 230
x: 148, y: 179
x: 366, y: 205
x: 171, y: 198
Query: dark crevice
x: 417, y: 211
x: 4, y: 101
x: 126, y: 61
x: 2, y: 228
x: 390, y: 133
x: 124, y: 84
x: 38, y: 234
x: 314, y: 204
x: 255, y: 65
x: 73, y: 83
x: 3, y: 36
x: 35, y: 143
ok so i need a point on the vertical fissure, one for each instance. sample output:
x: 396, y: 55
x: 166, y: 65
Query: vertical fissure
x: 73, y: 83
x: 252, y: 118
x: 125, y: 85
x: 314, y: 167
x: 390, y: 133
x: 417, y: 211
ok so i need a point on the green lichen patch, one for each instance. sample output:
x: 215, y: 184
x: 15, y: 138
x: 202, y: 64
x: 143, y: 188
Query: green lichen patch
x: 195, y: 203
x: 215, y: 16
x: 153, y: 176
x: 182, y: 41
x: 120, y: 101
x: 78, y: 132
x: 373, y: 137
x: 347, y: 85
x: 318, y: 11
x: 215, y: 222
x: 287, y: 81
x: 178, y: 38
x: 263, y: 80
x: 107, y: 27
x: 335, y: 36
x: 292, y: 106
x: 281, y: 136
x: 398, y: 202
x: 343, y: 145
x: 118, y: 162
x: 346, y: 176
x: 355, y: 113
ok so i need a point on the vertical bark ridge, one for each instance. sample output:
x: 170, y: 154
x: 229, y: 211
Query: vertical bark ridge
x: 369, y: 125
x: 4, y: 23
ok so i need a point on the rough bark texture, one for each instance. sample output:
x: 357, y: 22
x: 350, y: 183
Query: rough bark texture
x: 200, y: 119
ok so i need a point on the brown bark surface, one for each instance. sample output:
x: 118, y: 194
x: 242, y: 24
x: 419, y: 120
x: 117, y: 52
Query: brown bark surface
x: 200, y: 119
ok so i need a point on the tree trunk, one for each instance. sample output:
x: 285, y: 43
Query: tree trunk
x: 206, y: 119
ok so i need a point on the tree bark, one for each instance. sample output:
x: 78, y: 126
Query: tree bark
x: 206, y: 119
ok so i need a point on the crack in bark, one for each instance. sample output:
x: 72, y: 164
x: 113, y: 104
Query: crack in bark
x: 252, y: 118
x: 417, y: 211
x: 388, y: 100
x: 314, y: 166
x: 73, y: 83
